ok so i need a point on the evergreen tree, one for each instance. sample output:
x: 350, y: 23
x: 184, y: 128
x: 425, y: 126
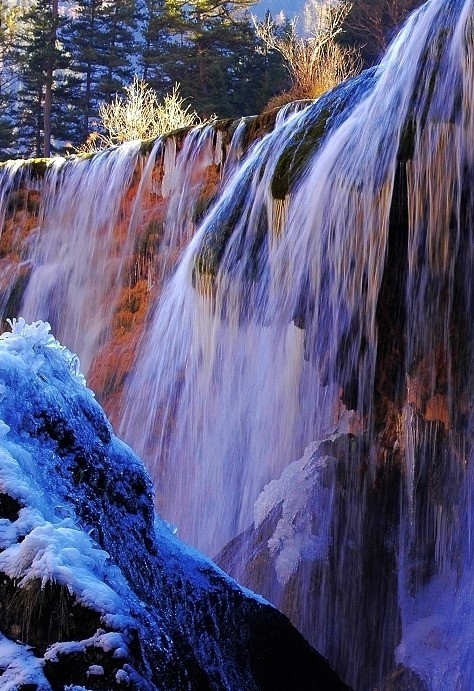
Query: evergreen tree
x: 259, y: 76
x: 119, y: 46
x: 213, y: 32
x: 210, y: 48
x: 10, y: 21
x: 102, y: 40
x: 156, y: 44
x: 39, y: 55
x: 84, y: 38
x: 66, y: 63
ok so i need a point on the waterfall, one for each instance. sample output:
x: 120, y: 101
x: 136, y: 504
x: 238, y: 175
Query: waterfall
x: 74, y: 274
x: 302, y: 389
x: 90, y: 214
x: 333, y: 275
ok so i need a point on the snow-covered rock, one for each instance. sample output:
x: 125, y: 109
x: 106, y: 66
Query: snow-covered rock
x: 325, y: 529
x: 95, y: 590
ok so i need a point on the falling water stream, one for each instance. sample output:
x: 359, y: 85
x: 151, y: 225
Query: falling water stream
x: 303, y: 390
x: 285, y: 312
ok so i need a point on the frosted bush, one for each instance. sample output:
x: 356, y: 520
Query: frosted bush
x: 34, y: 341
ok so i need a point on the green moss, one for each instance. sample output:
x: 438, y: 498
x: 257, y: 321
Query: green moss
x: 40, y: 614
x: 201, y: 208
x: 37, y: 166
x: 149, y: 238
x: 260, y: 125
x: 294, y: 158
x: 83, y: 156
x: 212, y: 249
x: 147, y: 145
x: 227, y: 127
x: 214, y: 244
x: 178, y: 134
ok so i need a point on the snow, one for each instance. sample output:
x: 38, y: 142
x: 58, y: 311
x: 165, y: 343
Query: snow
x: 303, y: 496
x: 301, y: 533
x: 122, y: 677
x: 35, y: 344
x: 52, y: 548
x: 95, y: 670
x: 105, y: 640
x: 20, y: 667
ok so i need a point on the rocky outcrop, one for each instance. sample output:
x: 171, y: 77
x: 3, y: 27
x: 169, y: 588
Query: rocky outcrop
x: 96, y: 592
x: 340, y: 545
x: 324, y: 517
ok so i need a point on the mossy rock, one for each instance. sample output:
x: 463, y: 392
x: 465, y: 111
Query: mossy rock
x: 147, y: 145
x: 149, y: 239
x: 40, y: 614
x: 294, y: 158
x: 37, y: 167
x: 323, y: 116
x: 212, y: 248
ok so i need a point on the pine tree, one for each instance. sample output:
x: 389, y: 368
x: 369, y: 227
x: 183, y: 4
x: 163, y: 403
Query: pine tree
x: 10, y: 21
x: 39, y: 55
x: 102, y: 39
x: 119, y: 46
x: 210, y: 48
x: 257, y: 75
x: 156, y: 44
x: 84, y: 38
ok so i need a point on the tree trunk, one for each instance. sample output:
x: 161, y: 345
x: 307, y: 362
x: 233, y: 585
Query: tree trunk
x: 38, y: 138
x: 49, y: 85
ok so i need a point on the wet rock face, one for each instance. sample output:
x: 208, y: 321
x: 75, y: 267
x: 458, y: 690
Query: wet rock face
x: 328, y: 538
x: 96, y: 591
x: 322, y: 549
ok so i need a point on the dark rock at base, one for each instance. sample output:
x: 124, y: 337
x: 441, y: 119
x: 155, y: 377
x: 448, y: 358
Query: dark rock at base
x: 402, y: 679
x: 302, y: 577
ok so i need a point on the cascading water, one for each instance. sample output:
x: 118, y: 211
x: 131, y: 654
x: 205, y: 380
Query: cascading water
x: 334, y: 273
x: 75, y: 273
x: 314, y: 342
x: 209, y: 403
x: 75, y: 261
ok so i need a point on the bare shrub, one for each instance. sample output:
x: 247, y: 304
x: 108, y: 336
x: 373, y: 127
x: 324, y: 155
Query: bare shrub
x: 140, y: 115
x: 315, y: 61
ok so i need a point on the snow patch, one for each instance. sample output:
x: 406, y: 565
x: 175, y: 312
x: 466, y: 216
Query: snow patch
x: 95, y: 671
x: 53, y: 548
x: 304, y: 498
x: 20, y: 667
x: 105, y: 640
x: 36, y: 345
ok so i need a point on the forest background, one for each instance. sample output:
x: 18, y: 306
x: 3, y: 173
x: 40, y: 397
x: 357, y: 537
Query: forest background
x: 60, y: 60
